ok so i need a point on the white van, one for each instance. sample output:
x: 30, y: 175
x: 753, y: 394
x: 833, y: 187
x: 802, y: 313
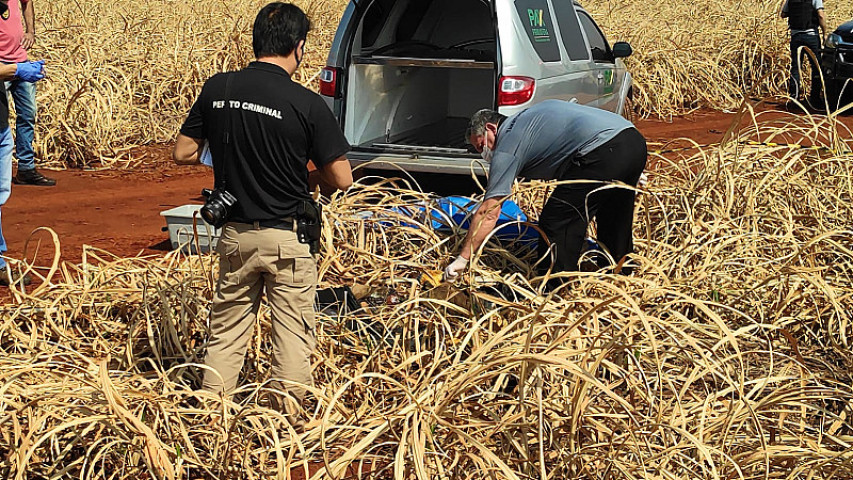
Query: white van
x: 404, y: 76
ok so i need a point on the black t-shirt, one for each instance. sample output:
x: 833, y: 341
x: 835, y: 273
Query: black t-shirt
x: 276, y: 126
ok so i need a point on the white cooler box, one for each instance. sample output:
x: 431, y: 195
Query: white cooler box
x: 180, y: 224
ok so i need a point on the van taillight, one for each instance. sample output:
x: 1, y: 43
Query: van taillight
x: 329, y: 82
x: 515, y: 90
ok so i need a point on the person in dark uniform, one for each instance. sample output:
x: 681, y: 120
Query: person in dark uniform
x: 262, y: 128
x: 804, y: 18
x: 557, y: 140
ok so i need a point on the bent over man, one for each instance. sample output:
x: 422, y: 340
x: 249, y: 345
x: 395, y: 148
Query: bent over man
x: 557, y: 140
x: 262, y: 129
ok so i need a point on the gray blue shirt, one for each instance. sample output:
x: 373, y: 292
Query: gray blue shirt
x: 535, y: 143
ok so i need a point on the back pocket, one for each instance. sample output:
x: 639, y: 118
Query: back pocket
x: 296, y: 268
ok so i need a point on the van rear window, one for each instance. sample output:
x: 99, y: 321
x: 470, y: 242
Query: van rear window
x: 536, y: 18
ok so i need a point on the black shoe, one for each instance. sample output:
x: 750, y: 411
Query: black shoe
x: 32, y: 177
x: 793, y: 107
x: 16, y: 276
x: 817, y: 103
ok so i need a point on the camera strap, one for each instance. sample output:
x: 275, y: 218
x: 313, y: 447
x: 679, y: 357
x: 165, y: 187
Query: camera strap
x: 226, y: 135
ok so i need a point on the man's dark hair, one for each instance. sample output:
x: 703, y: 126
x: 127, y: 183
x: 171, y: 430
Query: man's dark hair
x: 278, y: 28
x: 477, y: 125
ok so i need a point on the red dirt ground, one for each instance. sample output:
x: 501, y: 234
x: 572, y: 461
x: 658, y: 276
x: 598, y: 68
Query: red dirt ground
x: 119, y: 211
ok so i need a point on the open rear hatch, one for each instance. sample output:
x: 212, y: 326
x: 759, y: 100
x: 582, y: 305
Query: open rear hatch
x: 419, y: 69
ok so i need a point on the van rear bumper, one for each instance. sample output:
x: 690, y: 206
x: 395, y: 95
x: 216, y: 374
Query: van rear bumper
x: 419, y: 163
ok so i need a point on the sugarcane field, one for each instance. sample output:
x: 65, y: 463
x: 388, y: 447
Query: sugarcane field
x: 426, y: 239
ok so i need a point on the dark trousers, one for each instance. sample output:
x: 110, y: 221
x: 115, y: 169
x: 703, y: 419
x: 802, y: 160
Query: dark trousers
x: 812, y: 41
x: 570, y: 207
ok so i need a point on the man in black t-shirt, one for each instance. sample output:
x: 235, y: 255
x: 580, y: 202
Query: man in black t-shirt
x: 262, y: 129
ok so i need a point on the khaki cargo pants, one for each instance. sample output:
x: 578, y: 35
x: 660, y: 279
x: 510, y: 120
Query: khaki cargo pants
x: 253, y: 260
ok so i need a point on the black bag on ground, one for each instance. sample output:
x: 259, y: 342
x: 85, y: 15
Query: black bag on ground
x: 336, y: 300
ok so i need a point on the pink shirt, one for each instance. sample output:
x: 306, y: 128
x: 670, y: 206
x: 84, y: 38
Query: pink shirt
x: 11, y: 33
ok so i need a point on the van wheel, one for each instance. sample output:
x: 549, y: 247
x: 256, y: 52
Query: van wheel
x: 628, y: 110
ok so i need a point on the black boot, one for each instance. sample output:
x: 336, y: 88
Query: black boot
x: 32, y: 177
x: 13, y: 277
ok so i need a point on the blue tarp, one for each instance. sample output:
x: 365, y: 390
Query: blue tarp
x: 455, y: 211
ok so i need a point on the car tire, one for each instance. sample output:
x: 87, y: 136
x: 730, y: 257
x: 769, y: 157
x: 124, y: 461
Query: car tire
x: 832, y: 91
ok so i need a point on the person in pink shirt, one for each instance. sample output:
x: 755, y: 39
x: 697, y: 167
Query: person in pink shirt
x: 27, y: 72
x: 16, y: 37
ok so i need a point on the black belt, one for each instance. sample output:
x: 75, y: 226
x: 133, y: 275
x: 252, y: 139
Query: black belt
x: 280, y: 224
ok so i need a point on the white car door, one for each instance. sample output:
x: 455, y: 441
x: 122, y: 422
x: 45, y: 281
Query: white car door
x: 609, y: 83
x: 581, y: 72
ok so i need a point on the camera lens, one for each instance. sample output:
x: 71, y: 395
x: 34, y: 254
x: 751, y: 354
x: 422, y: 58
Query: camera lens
x: 217, y: 207
x: 212, y: 212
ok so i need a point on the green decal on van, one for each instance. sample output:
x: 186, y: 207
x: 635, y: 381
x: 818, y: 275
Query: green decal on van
x: 537, y: 25
x: 535, y: 16
x: 608, y: 82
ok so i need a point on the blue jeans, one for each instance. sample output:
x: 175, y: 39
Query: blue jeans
x: 812, y: 41
x: 24, y: 97
x: 5, y: 180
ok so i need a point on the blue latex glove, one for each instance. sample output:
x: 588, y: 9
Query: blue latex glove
x: 30, y: 71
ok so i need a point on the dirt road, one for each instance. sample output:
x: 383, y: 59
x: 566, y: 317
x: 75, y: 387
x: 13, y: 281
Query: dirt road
x: 119, y: 211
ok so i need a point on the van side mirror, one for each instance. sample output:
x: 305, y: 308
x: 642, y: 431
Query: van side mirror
x: 622, y: 50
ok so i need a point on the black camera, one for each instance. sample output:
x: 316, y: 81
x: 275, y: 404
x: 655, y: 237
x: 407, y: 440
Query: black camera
x: 217, y: 206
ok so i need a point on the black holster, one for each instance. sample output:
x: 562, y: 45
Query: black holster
x: 309, y: 224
